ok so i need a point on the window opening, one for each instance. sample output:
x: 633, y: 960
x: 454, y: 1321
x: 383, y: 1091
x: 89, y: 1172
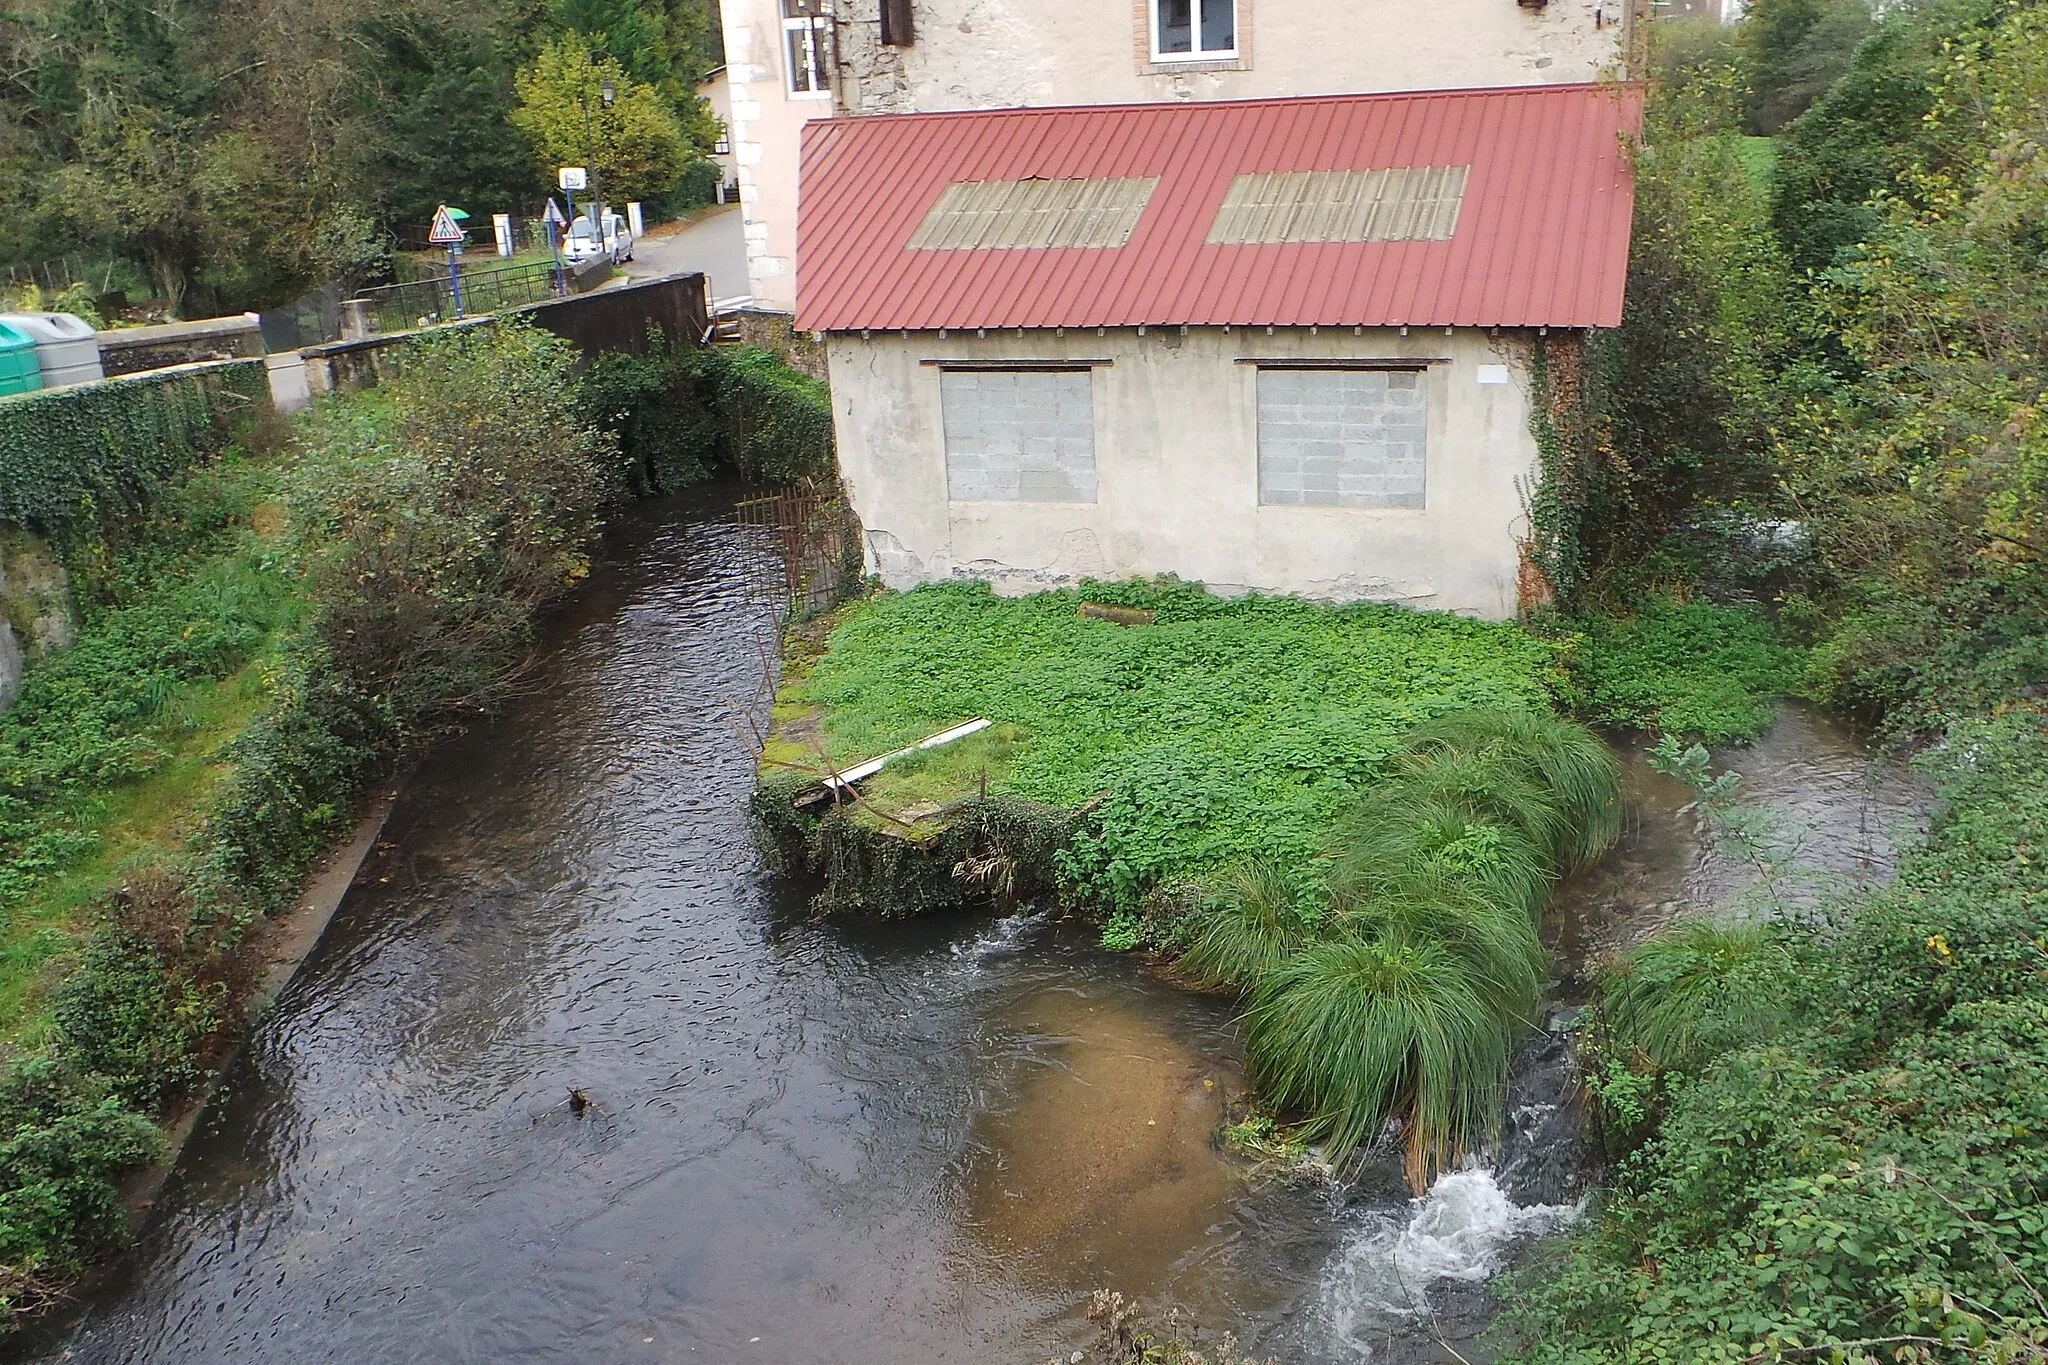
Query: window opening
x: 1193, y: 30
x: 1343, y: 438
x: 806, y: 32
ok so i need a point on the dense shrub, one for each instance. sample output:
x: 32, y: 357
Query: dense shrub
x: 62, y: 1141
x: 82, y: 459
x: 681, y: 411
x: 432, y: 515
x: 1860, y: 1160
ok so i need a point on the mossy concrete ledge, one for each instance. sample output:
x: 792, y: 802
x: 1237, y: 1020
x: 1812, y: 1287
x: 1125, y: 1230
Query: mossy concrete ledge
x: 978, y: 850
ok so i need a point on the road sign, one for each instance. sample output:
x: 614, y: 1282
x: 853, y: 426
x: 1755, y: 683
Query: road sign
x: 572, y: 178
x: 447, y: 232
x: 555, y: 215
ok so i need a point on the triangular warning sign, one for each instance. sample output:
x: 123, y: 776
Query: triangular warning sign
x: 554, y: 213
x: 446, y: 230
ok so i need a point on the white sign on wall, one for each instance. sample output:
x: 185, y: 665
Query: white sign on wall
x: 1493, y: 374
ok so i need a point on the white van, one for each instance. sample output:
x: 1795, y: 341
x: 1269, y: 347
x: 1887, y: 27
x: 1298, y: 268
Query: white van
x: 582, y: 243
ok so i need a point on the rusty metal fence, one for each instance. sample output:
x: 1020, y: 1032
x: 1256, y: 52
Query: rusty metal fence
x: 818, y: 539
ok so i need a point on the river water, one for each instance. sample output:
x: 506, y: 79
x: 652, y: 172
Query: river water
x: 834, y: 1141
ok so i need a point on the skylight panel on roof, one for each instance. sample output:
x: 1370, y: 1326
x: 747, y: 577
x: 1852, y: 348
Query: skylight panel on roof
x: 979, y: 215
x: 1403, y: 204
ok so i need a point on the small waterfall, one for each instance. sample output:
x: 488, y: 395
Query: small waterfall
x: 1461, y: 1230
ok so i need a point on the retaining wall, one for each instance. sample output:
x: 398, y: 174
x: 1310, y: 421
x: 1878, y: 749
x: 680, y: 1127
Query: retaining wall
x: 605, y: 320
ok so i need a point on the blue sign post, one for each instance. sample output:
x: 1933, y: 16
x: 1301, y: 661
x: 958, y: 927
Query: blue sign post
x: 448, y: 232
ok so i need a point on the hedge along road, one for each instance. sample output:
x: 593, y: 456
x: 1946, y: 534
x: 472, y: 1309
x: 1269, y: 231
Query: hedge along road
x: 913, y: 1141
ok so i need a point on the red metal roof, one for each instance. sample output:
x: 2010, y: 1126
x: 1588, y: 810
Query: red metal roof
x: 1542, y: 238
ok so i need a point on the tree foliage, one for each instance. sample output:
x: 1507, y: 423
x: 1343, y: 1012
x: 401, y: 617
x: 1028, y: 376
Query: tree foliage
x: 639, y: 144
x: 206, y: 142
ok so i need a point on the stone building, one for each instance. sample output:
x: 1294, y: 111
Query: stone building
x: 1281, y: 345
x: 792, y: 61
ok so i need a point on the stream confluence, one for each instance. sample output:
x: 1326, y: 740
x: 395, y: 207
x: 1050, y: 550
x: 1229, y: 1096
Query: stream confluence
x: 836, y: 1141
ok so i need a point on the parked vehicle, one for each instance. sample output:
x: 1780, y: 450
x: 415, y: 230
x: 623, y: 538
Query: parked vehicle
x: 583, y: 243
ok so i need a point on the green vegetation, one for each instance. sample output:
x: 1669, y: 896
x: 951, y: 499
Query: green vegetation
x: 1825, y: 1132
x: 204, y: 159
x: 1685, y: 668
x: 253, y: 646
x: 640, y: 145
x: 1406, y: 1001
x: 1833, y: 1131
x: 1228, y: 728
x: 77, y: 461
x: 680, y: 410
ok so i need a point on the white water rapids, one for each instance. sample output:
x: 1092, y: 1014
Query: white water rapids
x: 1462, y: 1229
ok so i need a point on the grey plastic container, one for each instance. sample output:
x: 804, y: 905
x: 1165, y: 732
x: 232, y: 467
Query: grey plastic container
x: 67, y: 348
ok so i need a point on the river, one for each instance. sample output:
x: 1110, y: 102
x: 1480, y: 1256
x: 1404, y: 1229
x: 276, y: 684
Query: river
x: 833, y: 1141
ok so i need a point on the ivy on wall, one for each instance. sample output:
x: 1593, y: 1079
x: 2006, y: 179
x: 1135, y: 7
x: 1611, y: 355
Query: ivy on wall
x: 682, y: 411
x: 74, y: 457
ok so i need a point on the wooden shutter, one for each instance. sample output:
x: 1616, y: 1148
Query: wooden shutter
x: 898, y: 29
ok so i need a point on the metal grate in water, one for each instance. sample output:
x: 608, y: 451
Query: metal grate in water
x: 818, y: 539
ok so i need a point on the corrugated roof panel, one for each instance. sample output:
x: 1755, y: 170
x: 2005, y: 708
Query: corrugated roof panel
x: 1538, y: 235
x: 973, y: 215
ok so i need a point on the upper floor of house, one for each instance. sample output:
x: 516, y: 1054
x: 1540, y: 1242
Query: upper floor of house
x: 915, y: 56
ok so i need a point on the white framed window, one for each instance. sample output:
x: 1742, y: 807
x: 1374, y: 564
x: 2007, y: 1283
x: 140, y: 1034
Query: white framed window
x: 1343, y: 437
x: 1019, y: 435
x: 807, y: 48
x: 1194, y: 30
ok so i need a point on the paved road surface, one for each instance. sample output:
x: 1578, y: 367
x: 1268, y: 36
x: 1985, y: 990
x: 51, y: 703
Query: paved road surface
x: 714, y: 244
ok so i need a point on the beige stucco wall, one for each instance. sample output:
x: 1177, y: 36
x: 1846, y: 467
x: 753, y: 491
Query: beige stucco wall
x: 986, y: 54
x: 1176, y: 454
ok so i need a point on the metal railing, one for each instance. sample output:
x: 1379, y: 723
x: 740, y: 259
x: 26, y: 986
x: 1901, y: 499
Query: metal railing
x: 423, y: 303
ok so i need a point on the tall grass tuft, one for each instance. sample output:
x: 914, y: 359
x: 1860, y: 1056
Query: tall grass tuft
x: 1492, y: 938
x: 1429, y: 964
x: 1396, y: 832
x: 1579, y: 773
x: 1248, y: 933
x: 1357, y: 1032
x: 1694, y: 989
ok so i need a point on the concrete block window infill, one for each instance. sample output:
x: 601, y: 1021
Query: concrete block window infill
x: 1342, y: 438
x: 1019, y: 436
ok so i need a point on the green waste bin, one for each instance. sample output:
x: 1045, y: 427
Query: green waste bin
x: 20, y: 371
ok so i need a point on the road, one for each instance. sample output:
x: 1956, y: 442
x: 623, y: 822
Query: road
x: 714, y: 244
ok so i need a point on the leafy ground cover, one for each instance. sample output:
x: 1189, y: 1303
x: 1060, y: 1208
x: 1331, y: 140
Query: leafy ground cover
x: 1227, y: 728
x: 1696, y: 669
x: 115, y: 744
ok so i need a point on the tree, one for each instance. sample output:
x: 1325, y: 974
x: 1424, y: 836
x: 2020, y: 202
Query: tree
x: 618, y: 30
x: 640, y: 145
x: 1797, y: 48
x: 438, y: 103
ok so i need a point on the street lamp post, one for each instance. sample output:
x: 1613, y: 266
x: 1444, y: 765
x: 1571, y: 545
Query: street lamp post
x: 607, y: 92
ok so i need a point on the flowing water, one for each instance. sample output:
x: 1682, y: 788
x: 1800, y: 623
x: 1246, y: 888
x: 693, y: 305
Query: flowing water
x: 810, y: 1141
